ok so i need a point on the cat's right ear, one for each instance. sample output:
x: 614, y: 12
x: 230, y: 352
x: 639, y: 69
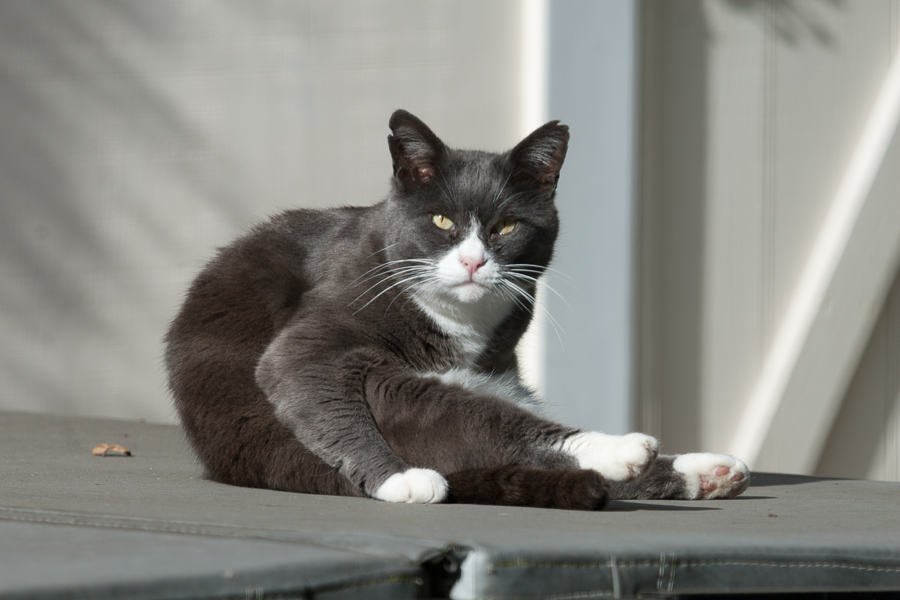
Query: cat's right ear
x: 540, y: 156
x: 415, y: 149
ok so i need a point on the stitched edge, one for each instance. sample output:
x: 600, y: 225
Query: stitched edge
x: 331, y: 588
x: 673, y: 564
x: 701, y: 562
x: 581, y: 595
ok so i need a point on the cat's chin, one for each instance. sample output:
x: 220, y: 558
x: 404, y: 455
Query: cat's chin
x: 470, y: 292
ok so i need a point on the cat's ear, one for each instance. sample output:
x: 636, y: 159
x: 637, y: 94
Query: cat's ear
x: 415, y: 149
x: 539, y: 157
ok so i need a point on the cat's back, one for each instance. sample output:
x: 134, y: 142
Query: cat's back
x: 312, y: 245
x: 254, y: 285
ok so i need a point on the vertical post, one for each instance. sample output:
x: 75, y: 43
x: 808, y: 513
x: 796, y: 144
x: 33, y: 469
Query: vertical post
x: 534, y: 57
x: 592, y: 87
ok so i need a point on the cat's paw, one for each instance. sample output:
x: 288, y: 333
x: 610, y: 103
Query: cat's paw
x: 709, y: 476
x: 415, y: 486
x: 616, y: 457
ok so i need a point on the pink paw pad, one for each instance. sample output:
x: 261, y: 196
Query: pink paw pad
x: 709, y: 476
x: 711, y: 484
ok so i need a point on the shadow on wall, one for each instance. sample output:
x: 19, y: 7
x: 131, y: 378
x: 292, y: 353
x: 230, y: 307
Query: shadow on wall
x: 674, y: 221
x: 136, y: 137
x: 685, y: 273
x: 871, y: 404
x: 90, y: 149
x: 791, y: 20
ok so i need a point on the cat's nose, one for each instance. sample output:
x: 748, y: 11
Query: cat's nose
x: 471, y: 264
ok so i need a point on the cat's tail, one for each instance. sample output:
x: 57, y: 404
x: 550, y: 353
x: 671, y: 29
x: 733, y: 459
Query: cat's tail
x: 521, y: 486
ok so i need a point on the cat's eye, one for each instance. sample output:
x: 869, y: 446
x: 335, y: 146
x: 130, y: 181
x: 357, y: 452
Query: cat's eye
x: 504, y: 226
x: 443, y: 222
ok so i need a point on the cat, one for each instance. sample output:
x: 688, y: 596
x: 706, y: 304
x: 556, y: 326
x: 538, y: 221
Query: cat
x: 370, y: 351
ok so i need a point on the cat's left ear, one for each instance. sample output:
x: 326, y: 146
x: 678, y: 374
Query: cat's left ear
x: 414, y: 148
x: 540, y: 156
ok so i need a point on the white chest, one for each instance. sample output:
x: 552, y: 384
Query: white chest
x: 469, y: 325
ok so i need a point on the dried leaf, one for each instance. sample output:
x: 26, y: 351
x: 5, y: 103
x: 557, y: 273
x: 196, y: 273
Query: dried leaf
x: 106, y: 449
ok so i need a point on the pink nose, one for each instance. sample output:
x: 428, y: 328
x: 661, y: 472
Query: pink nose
x: 471, y: 264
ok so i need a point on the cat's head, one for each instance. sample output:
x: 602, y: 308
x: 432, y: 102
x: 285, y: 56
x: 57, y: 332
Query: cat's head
x: 467, y: 225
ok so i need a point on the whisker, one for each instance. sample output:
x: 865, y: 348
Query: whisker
x: 388, y: 277
x: 391, y: 272
x: 502, y: 187
x: 445, y: 189
x: 374, y: 271
x: 420, y: 278
x: 557, y: 328
x: 390, y: 287
x: 539, y: 282
x: 514, y: 297
x: 524, y: 306
x: 508, y: 198
x: 388, y: 247
x: 539, y: 268
x: 522, y: 291
x: 378, y: 266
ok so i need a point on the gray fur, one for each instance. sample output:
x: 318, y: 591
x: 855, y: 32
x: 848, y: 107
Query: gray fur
x: 661, y: 483
x: 302, y: 359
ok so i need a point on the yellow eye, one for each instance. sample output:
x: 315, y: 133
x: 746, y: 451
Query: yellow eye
x: 442, y: 222
x: 504, y: 226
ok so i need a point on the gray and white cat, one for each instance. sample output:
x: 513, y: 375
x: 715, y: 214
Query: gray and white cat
x: 371, y: 351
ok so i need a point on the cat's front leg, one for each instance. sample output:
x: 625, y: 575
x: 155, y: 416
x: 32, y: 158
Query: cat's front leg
x: 616, y: 457
x: 319, y: 397
x: 413, y: 486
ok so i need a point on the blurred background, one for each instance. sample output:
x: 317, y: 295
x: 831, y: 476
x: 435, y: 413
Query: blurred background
x: 730, y: 201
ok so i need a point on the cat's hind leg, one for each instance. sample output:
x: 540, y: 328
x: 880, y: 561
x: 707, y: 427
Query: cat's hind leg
x: 696, y: 476
x: 708, y: 476
x: 513, y: 485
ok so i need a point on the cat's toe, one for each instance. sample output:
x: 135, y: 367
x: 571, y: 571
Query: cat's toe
x: 617, y: 458
x: 710, y: 476
x: 414, y: 486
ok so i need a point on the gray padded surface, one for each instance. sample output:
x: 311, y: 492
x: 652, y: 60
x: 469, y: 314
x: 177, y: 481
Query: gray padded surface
x: 43, y: 561
x: 148, y: 526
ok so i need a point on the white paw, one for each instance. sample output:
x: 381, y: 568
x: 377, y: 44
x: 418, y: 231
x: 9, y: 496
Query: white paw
x: 708, y: 476
x: 616, y: 457
x: 415, y: 486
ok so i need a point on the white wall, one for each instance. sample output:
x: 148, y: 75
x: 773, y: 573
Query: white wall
x: 135, y: 137
x: 764, y: 289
